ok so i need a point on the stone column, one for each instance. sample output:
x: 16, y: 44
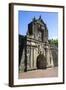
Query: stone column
x: 52, y: 64
x: 35, y: 57
x: 48, y: 56
x: 32, y: 59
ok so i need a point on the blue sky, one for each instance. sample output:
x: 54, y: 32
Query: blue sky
x: 50, y: 18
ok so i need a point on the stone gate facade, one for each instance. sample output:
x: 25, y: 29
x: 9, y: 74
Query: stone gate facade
x: 34, y: 49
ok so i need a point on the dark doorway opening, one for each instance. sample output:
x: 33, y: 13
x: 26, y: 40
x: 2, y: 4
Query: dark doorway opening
x: 41, y: 62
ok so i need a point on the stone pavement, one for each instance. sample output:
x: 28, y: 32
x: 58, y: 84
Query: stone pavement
x: 49, y: 72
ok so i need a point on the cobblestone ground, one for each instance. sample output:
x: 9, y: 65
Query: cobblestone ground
x: 50, y: 72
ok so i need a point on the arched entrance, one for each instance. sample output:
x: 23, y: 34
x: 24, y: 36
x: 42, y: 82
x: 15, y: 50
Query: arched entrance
x: 41, y: 62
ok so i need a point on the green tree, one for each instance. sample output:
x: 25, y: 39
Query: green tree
x: 53, y: 42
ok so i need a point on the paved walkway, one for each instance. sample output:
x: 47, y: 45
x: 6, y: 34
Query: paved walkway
x: 50, y: 72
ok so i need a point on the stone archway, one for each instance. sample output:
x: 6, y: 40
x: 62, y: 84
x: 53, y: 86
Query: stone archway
x: 41, y: 62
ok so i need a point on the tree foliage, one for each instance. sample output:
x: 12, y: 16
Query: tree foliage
x: 53, y: 42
